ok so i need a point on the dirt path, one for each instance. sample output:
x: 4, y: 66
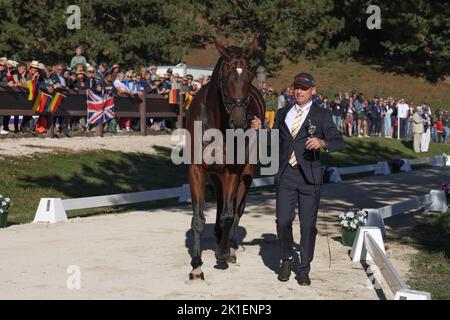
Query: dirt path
x: 144, y: 255
x: 125, y: 143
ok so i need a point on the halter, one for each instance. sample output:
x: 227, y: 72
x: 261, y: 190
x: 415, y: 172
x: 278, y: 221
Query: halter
x: 227, y: 101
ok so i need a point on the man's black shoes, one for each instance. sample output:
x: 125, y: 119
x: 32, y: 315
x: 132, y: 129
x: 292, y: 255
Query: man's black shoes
x: 285, y: 270
x: 303, y: 280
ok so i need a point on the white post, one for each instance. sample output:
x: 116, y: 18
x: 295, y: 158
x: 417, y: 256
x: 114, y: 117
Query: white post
x: 408, y: 294
x: 50, y: 210
x: 359, y: 251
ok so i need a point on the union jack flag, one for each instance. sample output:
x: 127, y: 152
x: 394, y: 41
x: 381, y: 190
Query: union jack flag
x: 101, y: 108
x: 95, y: 106
x: 109, y: 108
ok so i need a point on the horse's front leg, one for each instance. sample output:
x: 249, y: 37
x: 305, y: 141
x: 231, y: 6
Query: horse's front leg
x: 196, y: 177
x: 239, y: 207
x: 230, y: 183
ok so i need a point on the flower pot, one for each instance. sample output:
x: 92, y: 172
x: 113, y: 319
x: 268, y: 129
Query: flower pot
x: 3, y: 220
x: 348, y: 237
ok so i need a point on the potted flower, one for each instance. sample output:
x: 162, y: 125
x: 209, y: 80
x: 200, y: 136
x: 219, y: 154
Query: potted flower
x: 5, y: 204
x: 396, y: 164
x: 350, y: 221
x: 446, y: 188
x: 326, y: 174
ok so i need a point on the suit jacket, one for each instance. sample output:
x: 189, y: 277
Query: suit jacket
x: 308, y: 160
x: 417, y: 123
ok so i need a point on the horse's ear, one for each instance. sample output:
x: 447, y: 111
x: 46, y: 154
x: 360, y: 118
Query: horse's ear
x: 250, y: 50
x: 221, y: 48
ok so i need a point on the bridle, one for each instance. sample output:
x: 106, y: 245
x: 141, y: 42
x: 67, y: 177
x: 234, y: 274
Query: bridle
x: 235, y: 102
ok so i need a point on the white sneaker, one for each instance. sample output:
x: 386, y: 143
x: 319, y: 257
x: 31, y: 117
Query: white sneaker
x: 128, y: 129
x: 4, y: 132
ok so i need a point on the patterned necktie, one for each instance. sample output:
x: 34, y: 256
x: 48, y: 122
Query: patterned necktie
x: 295, y: 129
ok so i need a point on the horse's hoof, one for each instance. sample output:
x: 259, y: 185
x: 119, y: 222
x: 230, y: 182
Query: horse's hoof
x: 196, y: 274
x: 232, y: 258
x: 221, y: 265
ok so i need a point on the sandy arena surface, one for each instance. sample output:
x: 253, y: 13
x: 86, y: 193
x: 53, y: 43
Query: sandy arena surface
x: 125, y: 143
x: 144, y: 255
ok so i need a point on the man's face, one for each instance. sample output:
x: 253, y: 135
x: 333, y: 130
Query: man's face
x: 303, y: 94
x: 59, y: 69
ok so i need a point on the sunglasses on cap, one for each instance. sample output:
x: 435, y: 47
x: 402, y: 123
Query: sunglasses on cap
x: 301, y: 87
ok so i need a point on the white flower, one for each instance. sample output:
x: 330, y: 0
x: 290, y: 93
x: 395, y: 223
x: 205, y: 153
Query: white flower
x: 7, y: 200
x: 350, y: 215
x: 3, y: 203
x: 342, y: 216
x: 353, y: 225
x: 345, y: 223
x: 361, y: 219
x: 1, y: 211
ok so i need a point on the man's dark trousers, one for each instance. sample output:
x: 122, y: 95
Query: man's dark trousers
x: 294, y: 192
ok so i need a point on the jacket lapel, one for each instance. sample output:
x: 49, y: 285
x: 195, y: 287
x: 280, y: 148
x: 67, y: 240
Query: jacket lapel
x: 312, y: 111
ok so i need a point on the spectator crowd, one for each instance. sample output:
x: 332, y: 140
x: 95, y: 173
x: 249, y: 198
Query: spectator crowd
x: 98, y: 75
x: 358, y: 116
x: 354, y: 114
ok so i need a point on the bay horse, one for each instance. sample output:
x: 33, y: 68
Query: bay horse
x: 228, y: 101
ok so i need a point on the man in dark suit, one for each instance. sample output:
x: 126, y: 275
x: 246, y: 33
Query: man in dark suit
x: 304, y: 129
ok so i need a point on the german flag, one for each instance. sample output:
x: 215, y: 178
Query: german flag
x: 187, y: 100
x: 37, y: 102
x: 56, y: 102
x: 174, y: 96
x: 44, y: 103
x: 31, y: 84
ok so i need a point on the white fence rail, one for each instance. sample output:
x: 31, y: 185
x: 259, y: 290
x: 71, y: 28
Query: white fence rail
x: 53, y: 209
x: 369, y: 246
x: 434, y: 201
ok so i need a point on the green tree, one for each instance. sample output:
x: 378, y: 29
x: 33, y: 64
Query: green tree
x: 414, y: 35
x: 284, y: 28
x: 135, y: 32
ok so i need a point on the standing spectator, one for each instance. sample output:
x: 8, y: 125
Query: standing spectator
x: 438, y: 125
x: 349, y: 118
x: 58, y: 77
x: 417, y: 129
x: 281, y: 100
x: 337, y: 112
x: 290, y: 99
x: 403, y: 116
x: 359, y: 112
x: 78, y: 58
x: 119, y: 84
x: 365, y: 121
x: 387, y: 110
x: 375, y: 109
x: 425, y: 139
x: 446, y: 124
x: 103, y: 57
x: 154, y: 73
x: 394, y: 119
x: 115, y: 71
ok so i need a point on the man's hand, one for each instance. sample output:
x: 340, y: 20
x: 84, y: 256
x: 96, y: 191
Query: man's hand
x: 314, y: 143
x: 256, y: 123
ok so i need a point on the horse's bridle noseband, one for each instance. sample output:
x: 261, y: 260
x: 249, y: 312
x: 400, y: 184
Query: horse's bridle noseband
x: 235, y: 102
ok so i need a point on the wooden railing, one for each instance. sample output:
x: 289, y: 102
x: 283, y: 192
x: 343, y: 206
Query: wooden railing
x: 14, y: 102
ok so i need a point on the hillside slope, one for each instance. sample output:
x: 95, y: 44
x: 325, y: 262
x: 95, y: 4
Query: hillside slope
x: 338, y: 76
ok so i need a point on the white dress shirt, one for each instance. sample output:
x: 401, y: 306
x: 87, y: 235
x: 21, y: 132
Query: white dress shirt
x: 293, y: 113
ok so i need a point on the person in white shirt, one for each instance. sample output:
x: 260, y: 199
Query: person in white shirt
x: 403, y: 115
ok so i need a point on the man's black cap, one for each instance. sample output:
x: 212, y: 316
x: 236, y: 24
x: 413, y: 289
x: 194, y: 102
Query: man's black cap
x: 305, y: 80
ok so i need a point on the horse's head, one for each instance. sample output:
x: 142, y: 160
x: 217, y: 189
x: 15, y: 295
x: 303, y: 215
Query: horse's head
x: 235, y: 79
